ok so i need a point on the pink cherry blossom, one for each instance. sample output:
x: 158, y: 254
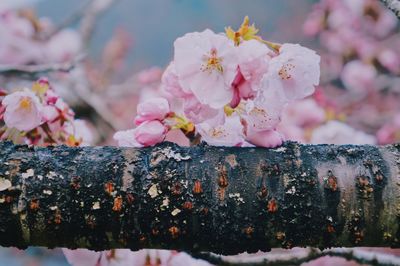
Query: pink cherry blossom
x: 295, y: 70
x: 253, y: 58
x: 23, y: 110
x: 267, y: 138
x: 82, y: 131
x: 146, y: 134
x: 229, y: 133
x: 335, y: 132
x: 206, y: 66
x: 127, y: 138
x: 389, y: 132
x: 389, y: 59
x: 170, y: 83
x: 63, y: 46
x: 264, y: 113
x: 153, y: 109
x: 197, y: 112
x: 150, y: 75
x: 359, y: 76
x: 304, y: 113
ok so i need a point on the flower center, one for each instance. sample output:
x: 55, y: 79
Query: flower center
x: 217, y: 132
x: 285, y: 70
x: 212, y: 62
x: 25, y: 103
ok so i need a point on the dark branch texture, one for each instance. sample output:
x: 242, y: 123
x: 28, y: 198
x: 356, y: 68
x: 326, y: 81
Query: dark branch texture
x: 225, y: 200
x: 393, y: 5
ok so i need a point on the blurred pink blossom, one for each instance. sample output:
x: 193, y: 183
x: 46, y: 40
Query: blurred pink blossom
x: 23, y: 110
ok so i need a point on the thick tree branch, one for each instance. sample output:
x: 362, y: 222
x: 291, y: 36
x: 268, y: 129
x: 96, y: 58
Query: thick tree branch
x: 221, y: 200
x: 393, y: 5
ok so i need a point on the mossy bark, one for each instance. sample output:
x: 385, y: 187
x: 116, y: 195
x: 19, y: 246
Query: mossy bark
x: 225, y: 200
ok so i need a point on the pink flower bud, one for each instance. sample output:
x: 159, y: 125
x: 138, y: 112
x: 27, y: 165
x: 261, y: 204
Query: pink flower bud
x: 268, y: 138
x: 146, y: 134
x: 152, y: 109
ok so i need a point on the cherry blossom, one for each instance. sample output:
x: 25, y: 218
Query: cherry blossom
x: 146, y: 134
x: 267, y: 138
x: 335, y: 132
x: 153, y: 109
x: 23, y: 110
x: 206, y: 64
x: 295, y: 70
x: 38, y: 116
x: 230, y: 133
x: 389, y: 132
x: 358, y: 76
x: 253, y: 58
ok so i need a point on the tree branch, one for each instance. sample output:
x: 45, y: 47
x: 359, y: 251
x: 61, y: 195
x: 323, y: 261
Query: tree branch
x: 217, y: 199
x: 299, y: 256
x: 393, y: 5
x: 35, y: 70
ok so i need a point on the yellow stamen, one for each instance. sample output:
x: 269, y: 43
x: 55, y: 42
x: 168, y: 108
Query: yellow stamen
x: 228, y: 110
x: 213, y: 62
x: 25, y: 103
x: 39, y: 89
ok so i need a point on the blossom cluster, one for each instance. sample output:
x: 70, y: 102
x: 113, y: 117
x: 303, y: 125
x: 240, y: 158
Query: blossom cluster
x: 230, y: 88
x: 38, y: 116
x: 26, y: 39
x: 360, y: 41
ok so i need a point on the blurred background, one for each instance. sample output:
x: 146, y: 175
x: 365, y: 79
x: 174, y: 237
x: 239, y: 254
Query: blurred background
x: 103, y: 56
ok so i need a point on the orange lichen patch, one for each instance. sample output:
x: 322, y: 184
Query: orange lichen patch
x: 117, y: 204
x: 91, y: 221
x: 263, y: 193
x: 109, y: 187
x: 197, y: 189
x: 34, y: 204
x: 331, y: 182
x: 187, y: 205
x: 142, y: 238
x: 364, y: 186
x: 358, y: 237
x: 272, y: 206
x: 130, y: 198
x: 176, y: 189
x: 204, y: 211
x: 221, y: 193
x: 330, y: 229
x: 75, y: 182
x: 222, y: 176
x: 174, y: 231
x: 155, y: 231
x: 248, y: 231
x: 280, y: 235
x: 57, y: 217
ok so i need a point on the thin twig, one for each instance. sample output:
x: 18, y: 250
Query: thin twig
x: 72, y: 18
x: 393, y: 5
x: 88, y: 22
x: 39, y: 69
x: 301, y: 256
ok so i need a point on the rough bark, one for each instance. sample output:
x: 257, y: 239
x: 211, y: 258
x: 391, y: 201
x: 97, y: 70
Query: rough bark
x: 223, y: 200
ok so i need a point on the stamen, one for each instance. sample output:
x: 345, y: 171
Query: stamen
x: 284, y: 72
x: 25, y: 103
x: 212, y: 62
